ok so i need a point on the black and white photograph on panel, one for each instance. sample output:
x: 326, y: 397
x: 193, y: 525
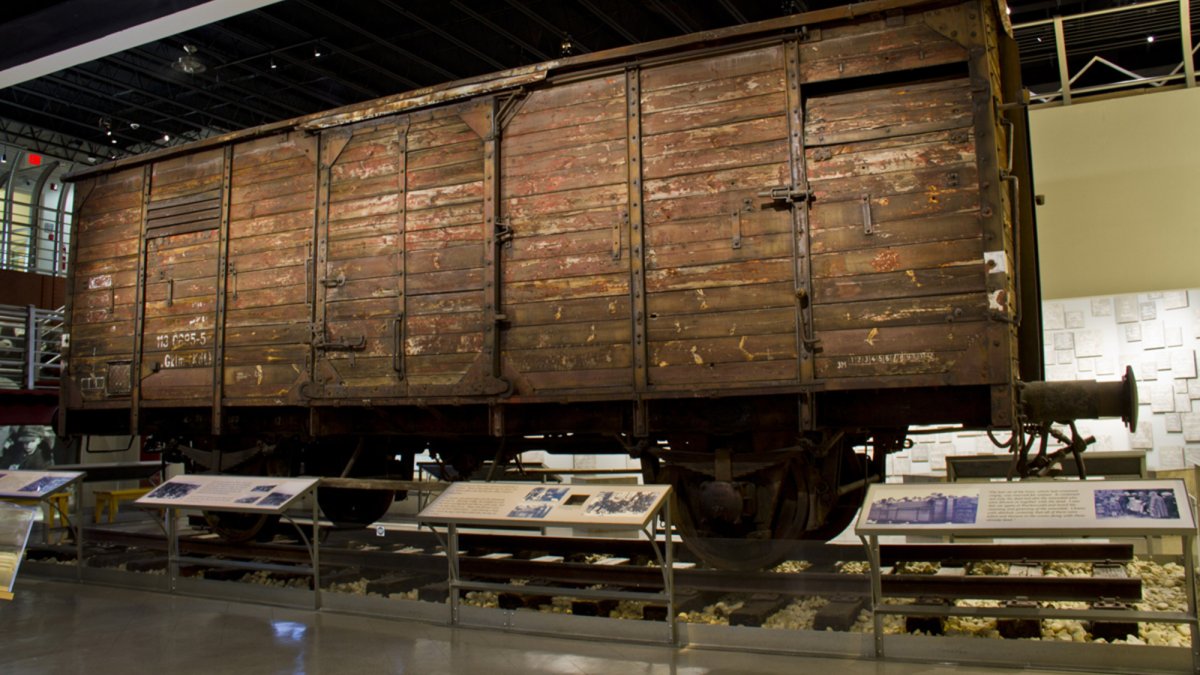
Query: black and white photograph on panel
x: 247, y: 500
x: 262, y: 488
x: 547, y: 494
x: 275, y: 499
x: 930, y: 509
x: 173, y: 490
x: 1137, y: 503
x: 607, y: 503
x: 46, y: 484
x: 530, y: 511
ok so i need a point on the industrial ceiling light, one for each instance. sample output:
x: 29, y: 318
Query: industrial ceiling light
x: 273, y: 66
x: 317, y: 52
x: 189, y: 63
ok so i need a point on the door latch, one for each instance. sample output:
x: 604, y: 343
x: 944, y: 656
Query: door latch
x: 786, y: 194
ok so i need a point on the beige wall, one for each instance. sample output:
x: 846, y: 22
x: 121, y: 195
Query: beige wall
x: 1122, y: 184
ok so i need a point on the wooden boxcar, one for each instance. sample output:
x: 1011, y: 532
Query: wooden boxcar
x: 737, y: 255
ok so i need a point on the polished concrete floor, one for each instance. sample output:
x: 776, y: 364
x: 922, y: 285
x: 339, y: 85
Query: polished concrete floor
x: 61, y: 627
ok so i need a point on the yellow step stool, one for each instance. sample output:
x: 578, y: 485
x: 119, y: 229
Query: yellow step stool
x: 55, y: 507
x: 108, y: 500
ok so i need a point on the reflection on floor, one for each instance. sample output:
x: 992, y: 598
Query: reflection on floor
x: 60, y: 627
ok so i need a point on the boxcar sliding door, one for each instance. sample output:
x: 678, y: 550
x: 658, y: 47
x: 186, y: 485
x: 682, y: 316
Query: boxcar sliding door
x: 360, y: 260
x: 268, y: 301
x: 720, y: 280
x: 898, y: 275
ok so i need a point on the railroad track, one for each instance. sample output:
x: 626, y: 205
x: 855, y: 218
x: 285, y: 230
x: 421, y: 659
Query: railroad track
x: 562, y: 561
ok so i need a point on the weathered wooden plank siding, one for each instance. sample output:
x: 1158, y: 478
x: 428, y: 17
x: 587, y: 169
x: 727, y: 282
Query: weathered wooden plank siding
x: 564, y: 195
x: 105, y: 283
x: 268, y: 294
x: 362, y: 276
x: 715, y: 134
x: 905, y: 165
x: 443, y: 252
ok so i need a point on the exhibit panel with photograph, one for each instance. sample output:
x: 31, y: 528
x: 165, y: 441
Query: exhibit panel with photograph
x: 34, y: 484
x: 509, y: 503
x: 1053, y: 508
x: 234, y: 493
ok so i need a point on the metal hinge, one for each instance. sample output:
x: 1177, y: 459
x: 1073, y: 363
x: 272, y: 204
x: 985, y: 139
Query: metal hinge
x: 335, y: 282
x: 504, y: 233
x: 786, y: 193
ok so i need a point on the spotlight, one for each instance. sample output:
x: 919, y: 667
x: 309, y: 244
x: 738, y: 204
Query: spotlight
x: 166, y: 137
x: 273, y: 66
x: 1149, y: 38
x: 114, y: 141
x: 4, y: 159
x: 316, y: 52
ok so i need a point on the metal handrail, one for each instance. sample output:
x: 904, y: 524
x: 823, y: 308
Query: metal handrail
x: 30, y: 347
x: 1184, y: 71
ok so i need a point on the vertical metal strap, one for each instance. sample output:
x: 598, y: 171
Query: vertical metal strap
x: 402, y: 231
x: 1064, y: 71
x: 491, y: 242
x: 637, y: 237
x: 1185, y: 23
x: 331, y: 146
x: 31, y: 346
x: 139, y: 319
x: 805, y: 336
x: 222, y: 283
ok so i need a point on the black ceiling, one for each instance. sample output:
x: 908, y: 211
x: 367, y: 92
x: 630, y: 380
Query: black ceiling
x: 303, y: 56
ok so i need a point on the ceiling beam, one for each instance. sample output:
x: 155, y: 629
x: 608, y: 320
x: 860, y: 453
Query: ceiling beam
x: 387, y: 44
x: 538, y: 19
x: 668, y: 14
x: 137, y: 35
x: 185, y: 82
x: 53, y: 143
x: 433, y: 28
x: 367, y: 63
x: 600, y: 14
x: 499, y: 30
x: 118, y: 133
x: 734, y: 11
x: 62, y: 80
